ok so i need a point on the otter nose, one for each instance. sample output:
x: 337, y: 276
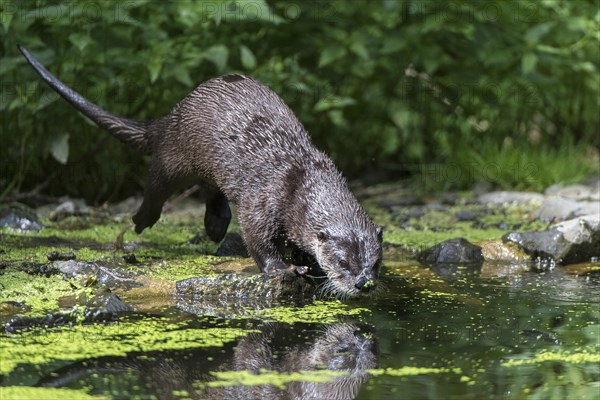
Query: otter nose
x: 364, y: 284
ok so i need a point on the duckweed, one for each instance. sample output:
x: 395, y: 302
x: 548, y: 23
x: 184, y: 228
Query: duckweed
x: 38, y: 292
x: 79, y: 342
x: 324, y: 312
x: 266, y: 377
x: 583, y: 357
x: 27, y: 392
x: 411, y: 371
x: 175, y: 270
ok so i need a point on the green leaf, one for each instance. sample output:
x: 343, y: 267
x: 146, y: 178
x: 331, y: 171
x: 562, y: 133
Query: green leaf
x: 218, y: 55
x: 182, y: 75
x: 331, y: 54
x: 80, y: 40
x: 246, y: 10
x: 360, y: 50
x: 247, y: 57
x: 528, y: 63
x: 393, y: 43
x: 534, y: 34
x: 59, y: 147
x: 154, y: 67
x: 332, y: 102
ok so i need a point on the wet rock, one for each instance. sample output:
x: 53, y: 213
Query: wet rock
x: 505, y: 198
x: 503, y: 252
x: 583, y: 269
x: 19, y: 218
x: 20, y: 323
x: 572, y: 241
x: 576, y: 192
x: 56, y: 256
x: 230, y: 294
x: 13, y: 307
x: 130, y: 258
x: 76, y: 269
x: 444, y: 257
x: 92, y: 273
x: 463, y: 215
x: 276, y: 286
x: 233, y: 245
x: 68, y: 208
x: 33, y: 268
x: 449, y: 198
x: 108, y: 302
x: 560, y: 209
x: 503, y: 259
x: 534, y: 334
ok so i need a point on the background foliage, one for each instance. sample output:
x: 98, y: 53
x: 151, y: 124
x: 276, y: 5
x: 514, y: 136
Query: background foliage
x: 452, y: 91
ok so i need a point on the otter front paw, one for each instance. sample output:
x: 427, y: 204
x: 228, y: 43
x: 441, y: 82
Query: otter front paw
x: 279, y: 267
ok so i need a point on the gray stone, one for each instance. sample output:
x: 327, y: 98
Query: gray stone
x: 20, y: 218
x: 108, y: 302
x: 68, y: 208
x: 231, y: 295
x: 575, y: 192
x: 463, y: 215
x: 22, y: 322
x: 506, y: 198
x: 76, y: 269
x: 452, y: 253
x: 112, y: 278
x: 562, y: 208
x: 285, y: 285
x: 569, y: 242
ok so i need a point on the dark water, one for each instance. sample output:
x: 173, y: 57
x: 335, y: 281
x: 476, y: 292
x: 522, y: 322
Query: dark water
x: 515, y: 334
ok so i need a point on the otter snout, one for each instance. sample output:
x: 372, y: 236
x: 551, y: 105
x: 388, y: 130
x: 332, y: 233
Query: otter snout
x: 365, y: 283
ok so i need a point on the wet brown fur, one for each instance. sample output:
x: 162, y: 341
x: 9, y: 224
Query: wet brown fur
x: 236, y: 136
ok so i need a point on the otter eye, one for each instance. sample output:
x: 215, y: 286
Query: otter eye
x: 343, y: 263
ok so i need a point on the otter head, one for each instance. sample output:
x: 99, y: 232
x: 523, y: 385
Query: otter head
x: 351, y: 261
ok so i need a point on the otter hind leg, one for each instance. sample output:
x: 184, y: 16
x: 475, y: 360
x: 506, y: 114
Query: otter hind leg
x: 217, y: 216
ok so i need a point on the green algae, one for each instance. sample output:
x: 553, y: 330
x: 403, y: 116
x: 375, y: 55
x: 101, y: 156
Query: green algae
x: 280, y: 379
x: 268, y: 377
x: 168, y: 239
x: 36, y: 249
x: 583, y: 357
x: 176, y: 270
x: 324, y: 312
x: 80, y: 342
x: 435, y: 226
x: 38, y: 292
x: 434, y: 294
x: 413, y: 371
x: 28, y: 392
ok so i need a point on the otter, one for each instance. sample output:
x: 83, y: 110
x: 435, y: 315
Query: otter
x: 239, y: 139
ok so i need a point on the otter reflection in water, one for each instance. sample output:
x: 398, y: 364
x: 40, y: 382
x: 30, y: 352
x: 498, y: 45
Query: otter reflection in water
x: 344, y: 347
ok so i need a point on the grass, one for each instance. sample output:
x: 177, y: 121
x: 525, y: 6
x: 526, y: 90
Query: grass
x: 515, y: 167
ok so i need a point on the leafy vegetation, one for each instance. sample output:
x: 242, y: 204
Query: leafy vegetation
x: 395, y: 85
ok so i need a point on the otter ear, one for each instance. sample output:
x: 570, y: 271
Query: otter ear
x: 380, y: 233
x: 322, y: 236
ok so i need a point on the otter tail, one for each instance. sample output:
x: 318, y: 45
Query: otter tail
x: 128, y: 131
